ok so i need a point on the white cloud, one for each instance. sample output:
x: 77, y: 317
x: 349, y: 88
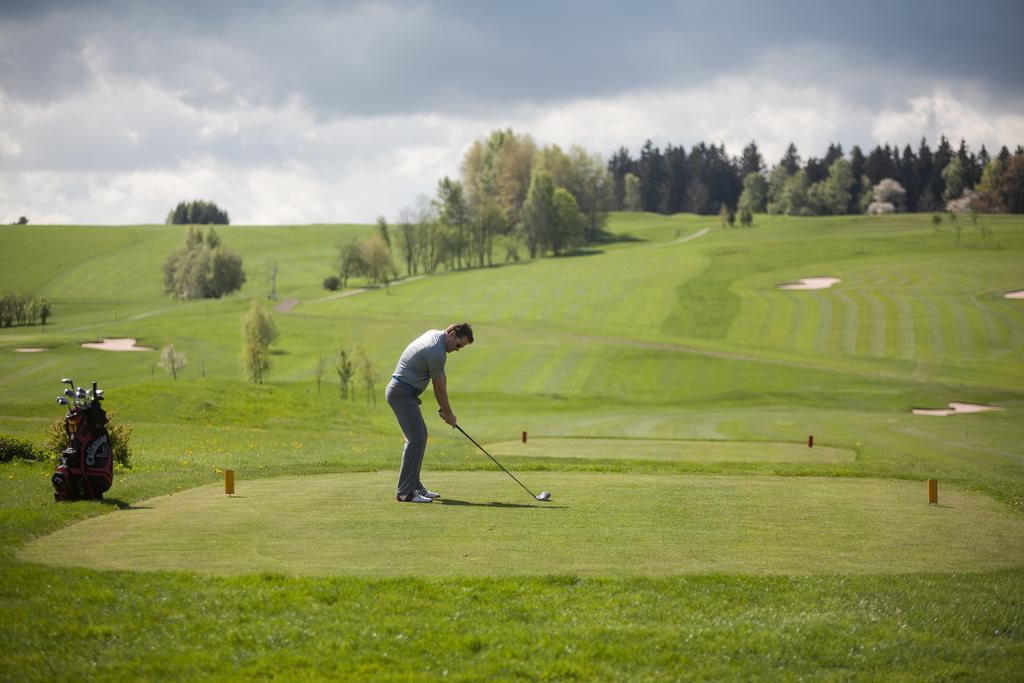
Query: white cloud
x: 39, y: 196
x: 125, y: 147
x: 730, y: 111
x: 9, y: 147
x: 956, y: 117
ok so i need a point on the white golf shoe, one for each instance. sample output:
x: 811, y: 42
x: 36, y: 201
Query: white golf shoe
x: 427, y: 493
x: 413, y: 497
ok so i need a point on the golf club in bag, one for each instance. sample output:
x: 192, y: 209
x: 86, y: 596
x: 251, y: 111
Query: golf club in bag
x: 543, y: 495
x: 85, y: 468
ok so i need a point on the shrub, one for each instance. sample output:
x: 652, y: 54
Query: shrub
x: 332, y: 283
x: 13, y: 447
x: 56, y: 440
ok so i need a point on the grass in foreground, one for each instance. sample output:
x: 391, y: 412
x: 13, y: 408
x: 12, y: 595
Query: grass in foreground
x: 130, y: 626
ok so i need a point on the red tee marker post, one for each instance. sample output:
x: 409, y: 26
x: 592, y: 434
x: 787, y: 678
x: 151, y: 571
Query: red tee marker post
x: 524, y: 437
x: 933, y: 491
x: 810, y: 441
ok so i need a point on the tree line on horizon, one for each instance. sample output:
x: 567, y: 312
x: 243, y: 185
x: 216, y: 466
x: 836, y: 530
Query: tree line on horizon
x: 702, y: 181
x: 513, y: 194
x: 197, y: 212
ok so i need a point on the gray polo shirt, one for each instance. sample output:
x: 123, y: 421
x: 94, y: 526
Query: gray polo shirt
x: 422, y: 360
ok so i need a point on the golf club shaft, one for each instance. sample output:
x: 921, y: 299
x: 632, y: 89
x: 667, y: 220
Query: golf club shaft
x: 495, y: 461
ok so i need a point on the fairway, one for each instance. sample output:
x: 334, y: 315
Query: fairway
x: 668, y: 390
x: 672, y: 450
x: 596, y: 525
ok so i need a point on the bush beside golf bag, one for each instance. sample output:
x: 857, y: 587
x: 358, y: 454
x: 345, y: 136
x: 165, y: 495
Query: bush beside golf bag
x: 86, y: 467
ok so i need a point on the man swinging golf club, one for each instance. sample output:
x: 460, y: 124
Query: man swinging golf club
x: 422, y: 363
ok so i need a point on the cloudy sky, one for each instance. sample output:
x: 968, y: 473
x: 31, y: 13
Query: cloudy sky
x: 113, y: 111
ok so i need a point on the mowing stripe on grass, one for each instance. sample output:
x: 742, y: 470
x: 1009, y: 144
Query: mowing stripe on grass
x: 596, y: 525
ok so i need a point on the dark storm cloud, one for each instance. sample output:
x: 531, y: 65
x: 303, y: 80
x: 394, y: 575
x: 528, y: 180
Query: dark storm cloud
x: 314, y: 110
x: 383, y: 58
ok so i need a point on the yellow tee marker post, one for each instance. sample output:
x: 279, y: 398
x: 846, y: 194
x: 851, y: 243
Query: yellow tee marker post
x: 933, y: 491
x: 229, y: 481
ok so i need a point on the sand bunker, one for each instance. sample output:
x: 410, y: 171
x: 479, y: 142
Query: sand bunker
x: 810, y: 283
x: 120, y: 344
x: 33, y: 349
x: 1019, y: 294
x: 955, y: 408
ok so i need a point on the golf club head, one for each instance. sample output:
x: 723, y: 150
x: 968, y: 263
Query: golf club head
x: 80, y: 393
x: 62, y: 401
x: 67, y: 380
x: 543, y: 495
x: 69, y: 393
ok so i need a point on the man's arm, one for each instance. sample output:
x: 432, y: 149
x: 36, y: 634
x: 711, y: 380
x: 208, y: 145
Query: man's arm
x: 441, y: 394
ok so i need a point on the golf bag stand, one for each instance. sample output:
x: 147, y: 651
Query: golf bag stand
x: 86, y: 467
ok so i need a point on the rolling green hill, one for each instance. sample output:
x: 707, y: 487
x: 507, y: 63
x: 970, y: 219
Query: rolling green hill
x: 618, y: 361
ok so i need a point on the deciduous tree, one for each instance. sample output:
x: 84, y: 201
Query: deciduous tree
x: 954, y: 176
x: 631, y: 200
x: 173, y: 361
x: 754, y: 197
x: 538, y: 212
x: 202, y: 268
x: 258, y: 332
x: 569, y: 225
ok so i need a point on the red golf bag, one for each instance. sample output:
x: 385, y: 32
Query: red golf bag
x: 86, y: 467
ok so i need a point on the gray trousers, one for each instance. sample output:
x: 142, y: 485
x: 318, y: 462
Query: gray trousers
x: 406, y: 404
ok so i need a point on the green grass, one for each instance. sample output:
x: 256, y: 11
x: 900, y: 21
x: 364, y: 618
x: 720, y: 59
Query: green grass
x: 675, y: 450
x: 595, y: 525
x: 674, y: 347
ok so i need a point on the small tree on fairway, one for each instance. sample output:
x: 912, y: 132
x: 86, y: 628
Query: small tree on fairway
x: 173, y: 361
x: 320, y: 370
x: 344, y: 367
x: 271, y: 271
x: 258, y: 333
x: 367, y: 375
x: 349, y: 262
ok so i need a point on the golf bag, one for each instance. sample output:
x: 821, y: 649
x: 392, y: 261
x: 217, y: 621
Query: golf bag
x: 86, y: 467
